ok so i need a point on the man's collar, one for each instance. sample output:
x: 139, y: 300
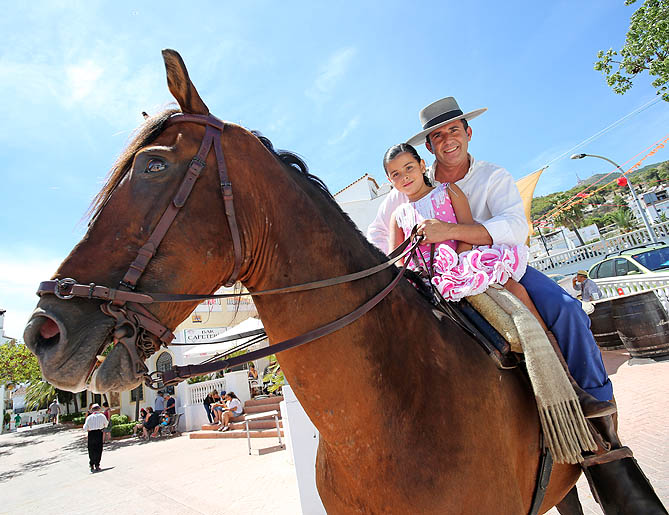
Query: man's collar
x: 432, y: 170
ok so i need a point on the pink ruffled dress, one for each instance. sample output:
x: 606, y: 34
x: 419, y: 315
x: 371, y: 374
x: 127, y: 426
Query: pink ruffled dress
x: 471, y: 272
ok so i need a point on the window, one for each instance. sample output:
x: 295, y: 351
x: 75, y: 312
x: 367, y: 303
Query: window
x: 621, y: 265
x: 593, y: 272
x: 133, y: 393
x: 657, y: 259
x: 164, y: 363
x: 606, y: 269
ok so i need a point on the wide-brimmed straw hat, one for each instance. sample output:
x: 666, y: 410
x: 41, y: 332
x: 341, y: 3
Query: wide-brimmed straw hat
x: 438, y: 114
x: 582, y: 272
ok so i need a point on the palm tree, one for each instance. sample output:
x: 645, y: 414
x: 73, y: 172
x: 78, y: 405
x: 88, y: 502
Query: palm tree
x: 39, y: 394
x: 571, y: 216
x: 624, y: 219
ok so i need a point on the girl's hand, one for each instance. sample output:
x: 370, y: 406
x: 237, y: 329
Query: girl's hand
x: 435, y: 231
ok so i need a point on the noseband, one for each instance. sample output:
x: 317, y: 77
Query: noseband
x: 134, y: 324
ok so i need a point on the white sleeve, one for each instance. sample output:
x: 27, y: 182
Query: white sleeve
x: 507, y: 224
x: 378, y: 231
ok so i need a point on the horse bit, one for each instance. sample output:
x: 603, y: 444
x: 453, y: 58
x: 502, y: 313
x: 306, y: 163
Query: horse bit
x: 134, y: 323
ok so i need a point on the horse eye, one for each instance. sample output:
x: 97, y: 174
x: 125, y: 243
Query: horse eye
x: 155, y: 165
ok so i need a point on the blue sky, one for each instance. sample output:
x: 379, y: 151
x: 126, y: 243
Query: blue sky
x: 337, y: 83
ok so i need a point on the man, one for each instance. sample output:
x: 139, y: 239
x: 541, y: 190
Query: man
x: 499, y: 218
x: 588, y: 288
x: 94, y: 424
x: 170, y: 404
x: 498, y: 214
x: 54, y: 411
x: 159, y: 403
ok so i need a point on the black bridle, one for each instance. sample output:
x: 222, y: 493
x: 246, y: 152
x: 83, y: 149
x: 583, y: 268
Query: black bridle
x: 142, y: 334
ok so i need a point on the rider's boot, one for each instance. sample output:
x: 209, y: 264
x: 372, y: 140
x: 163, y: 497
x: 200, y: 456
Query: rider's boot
x: 616, y: 480
x: 592, y: 407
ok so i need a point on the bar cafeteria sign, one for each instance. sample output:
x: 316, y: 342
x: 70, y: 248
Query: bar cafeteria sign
x: 204, y: 335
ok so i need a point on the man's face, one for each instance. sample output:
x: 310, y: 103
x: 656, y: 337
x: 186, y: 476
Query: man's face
x: 580, y: 278
x: 449, y: 144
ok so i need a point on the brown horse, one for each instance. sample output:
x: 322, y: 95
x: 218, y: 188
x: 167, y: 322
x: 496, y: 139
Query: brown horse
x: 413, y: 416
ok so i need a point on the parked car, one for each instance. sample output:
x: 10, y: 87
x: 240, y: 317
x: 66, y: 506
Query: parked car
x: 644, y: 259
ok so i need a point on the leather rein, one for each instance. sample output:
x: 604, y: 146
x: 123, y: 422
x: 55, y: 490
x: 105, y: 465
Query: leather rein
x: 136, y: 326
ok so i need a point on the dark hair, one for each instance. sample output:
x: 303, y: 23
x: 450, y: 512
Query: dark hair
x: 396, y: 150
x: 465, y: 124
x: 149, y: 409
x: 105, y: 405
x: 231, y: 395
x: 401, y: 148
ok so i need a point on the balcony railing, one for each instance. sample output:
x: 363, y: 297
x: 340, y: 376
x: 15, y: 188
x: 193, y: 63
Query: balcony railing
x: 599, y: 248
x: 614, y: 286
x: 196, y: 392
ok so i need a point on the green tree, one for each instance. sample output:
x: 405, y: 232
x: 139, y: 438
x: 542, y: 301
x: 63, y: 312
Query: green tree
x: 624, y: 219
x: 18, y: 364
x: 570, y: 216
x: 39, y: 395
x: 646, y: 49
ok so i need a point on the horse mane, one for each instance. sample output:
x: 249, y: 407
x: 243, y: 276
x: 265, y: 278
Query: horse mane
x: 155, y: 125
x: 292, y: 162
x: 146, y: 134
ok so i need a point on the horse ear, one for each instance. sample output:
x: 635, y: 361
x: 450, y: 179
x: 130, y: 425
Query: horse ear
x: 181, y: 87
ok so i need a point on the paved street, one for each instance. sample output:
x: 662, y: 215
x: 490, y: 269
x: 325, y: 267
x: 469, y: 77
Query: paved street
x: 45, y: 470
x: 641, y: 390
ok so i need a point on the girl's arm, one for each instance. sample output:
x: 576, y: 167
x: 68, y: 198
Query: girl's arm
x: 463, y: 212
x: 396, y: 235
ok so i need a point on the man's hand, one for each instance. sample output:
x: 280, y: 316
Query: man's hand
x: 435, y: 231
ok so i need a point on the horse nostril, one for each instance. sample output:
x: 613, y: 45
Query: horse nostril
x: 49, y: 329
x: 48, y: 334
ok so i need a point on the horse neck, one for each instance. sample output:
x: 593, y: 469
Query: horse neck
x: 315, y: 242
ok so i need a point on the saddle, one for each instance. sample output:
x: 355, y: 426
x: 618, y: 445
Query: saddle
x: 510, y: 334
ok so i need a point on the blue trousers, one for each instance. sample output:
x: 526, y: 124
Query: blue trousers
x: 564, y: 316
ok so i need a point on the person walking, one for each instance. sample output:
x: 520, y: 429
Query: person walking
x: 94, y: 424
x: 54, y: 411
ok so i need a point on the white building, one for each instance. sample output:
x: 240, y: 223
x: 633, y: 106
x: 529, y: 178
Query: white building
x: 361, y: 200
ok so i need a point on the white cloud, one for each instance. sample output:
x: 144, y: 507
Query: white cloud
x: 22, y: 272
x: 331, y: 73
x: 350, y: 126
x: 83, y: 79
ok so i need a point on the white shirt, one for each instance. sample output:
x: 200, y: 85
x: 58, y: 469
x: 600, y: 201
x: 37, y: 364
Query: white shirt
x: 236, y: 406
x: 493, y: 198
x: 95, y: 421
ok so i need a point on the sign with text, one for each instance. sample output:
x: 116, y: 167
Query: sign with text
x: 206, y: 334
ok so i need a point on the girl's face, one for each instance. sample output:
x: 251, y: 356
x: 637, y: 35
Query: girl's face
x: 406, y: 174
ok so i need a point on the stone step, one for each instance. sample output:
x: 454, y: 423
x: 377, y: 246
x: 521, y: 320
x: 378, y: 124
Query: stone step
x: 235, y: 433
x: 267, y: 423
x: 261, y: 408
x: 272, y: 399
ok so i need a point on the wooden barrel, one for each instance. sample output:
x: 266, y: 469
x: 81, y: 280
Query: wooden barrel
x: 642, y: 323
x: 602, y: 327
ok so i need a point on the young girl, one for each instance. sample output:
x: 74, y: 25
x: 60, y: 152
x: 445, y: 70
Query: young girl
x: 459, y: 269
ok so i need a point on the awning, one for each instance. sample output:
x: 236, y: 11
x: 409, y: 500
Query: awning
x: 209, y: 349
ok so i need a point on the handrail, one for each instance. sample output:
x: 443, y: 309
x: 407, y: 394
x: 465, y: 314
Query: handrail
x: 599, y: 248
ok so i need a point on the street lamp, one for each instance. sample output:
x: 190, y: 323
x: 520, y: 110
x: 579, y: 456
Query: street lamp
x: 642, y: 211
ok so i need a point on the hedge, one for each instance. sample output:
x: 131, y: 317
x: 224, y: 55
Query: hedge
x: 69, y: 417
x: 118, y: 420
x: 79, y: 420
x: 122, y: 429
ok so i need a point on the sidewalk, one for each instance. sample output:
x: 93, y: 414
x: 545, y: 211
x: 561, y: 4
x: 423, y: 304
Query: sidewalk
x: 45, y: 471
x: 48, y: 467
x: 642, y: 393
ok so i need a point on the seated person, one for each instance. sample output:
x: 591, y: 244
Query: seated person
x: 208, y: 401
x: 140, y: 422
x: 150, y: 426
x: 234, y: 409
x: 217, y: 407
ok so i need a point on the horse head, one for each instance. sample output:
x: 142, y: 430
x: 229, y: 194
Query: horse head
x: 196, y: 252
